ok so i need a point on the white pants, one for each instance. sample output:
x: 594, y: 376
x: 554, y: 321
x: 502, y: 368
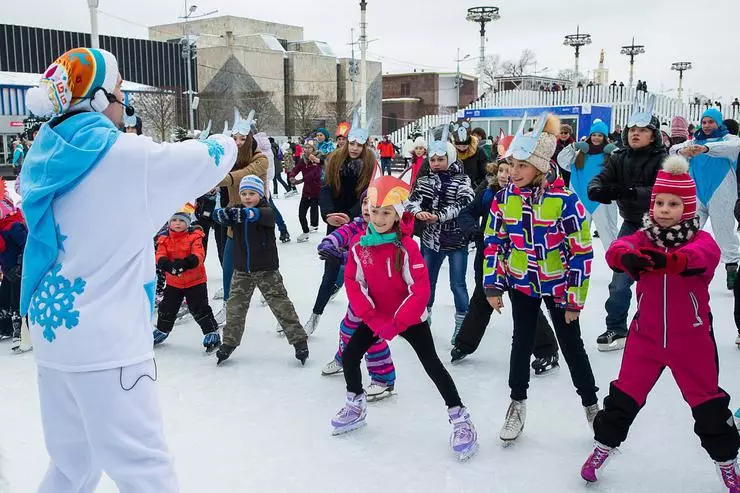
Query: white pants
x: 720, y: 210
x: 605, y: 218
x: 91, y: 424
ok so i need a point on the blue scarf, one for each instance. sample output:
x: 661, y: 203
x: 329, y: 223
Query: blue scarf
x: 60, y: 158
x: 720, y: 132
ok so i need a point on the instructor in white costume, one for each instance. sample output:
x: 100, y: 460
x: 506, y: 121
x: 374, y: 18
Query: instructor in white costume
x: 88, y: 289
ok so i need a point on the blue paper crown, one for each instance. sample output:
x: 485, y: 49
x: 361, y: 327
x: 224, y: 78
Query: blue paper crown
x: 523, y: 146
x: 439, y: 147
x: 205, y: 132
x: 242, y: 127
x: 641, y: 118
x: 357, y: 133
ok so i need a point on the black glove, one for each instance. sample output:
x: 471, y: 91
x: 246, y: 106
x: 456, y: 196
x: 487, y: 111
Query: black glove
x: 14, y: 274
x: 164, y: 264
x: 178, y: 267
x: 331, y: 256
x: 191, y: 262
x: 629, y: 193
x: 477, y: 235
x: 605, y: 194
x: 737, y: 212
x: 635, y: 264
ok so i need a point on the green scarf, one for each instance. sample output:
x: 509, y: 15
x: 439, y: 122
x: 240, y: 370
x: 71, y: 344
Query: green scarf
x: 373, y: 238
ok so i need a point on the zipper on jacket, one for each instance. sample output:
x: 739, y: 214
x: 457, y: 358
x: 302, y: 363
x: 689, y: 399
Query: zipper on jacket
x: 388, y: 266
x: 695, y: 302
x: 665, y: 309
x: 637, y: 315
x: 246, y: 244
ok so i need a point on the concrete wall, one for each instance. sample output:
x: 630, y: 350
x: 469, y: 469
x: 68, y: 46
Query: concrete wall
x: 423, y: 85
x: 219, y: 26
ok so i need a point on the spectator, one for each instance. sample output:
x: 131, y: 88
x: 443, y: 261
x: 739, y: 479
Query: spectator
x: 387, y: 152
x: 732, y: 126
x: 483, y: 142
x: 679, y: 130
x: 565, y: 138
x: 735, y: 105
x: 616, y: 136
x: 613, y: 84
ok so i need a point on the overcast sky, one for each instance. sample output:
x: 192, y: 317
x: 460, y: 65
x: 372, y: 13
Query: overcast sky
x: 425, y: 34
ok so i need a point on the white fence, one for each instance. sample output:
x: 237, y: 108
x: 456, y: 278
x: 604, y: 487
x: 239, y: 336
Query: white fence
x: 619, y: 98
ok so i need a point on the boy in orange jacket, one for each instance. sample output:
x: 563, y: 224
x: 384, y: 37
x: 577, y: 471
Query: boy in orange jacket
x: 180, y: 255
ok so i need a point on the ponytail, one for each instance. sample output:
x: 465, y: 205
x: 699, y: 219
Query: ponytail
x: 399, y: 251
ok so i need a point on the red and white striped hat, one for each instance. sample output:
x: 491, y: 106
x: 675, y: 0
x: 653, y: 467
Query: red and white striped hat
x: 674, y: 178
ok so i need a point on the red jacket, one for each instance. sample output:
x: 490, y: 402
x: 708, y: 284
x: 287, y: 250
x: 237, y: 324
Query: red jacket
x: 386, y: 149
x: 177, y: 246
x: 387, y: 300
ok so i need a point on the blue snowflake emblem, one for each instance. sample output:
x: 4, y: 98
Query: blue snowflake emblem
x: 215, y: 150
x: 53, y: 303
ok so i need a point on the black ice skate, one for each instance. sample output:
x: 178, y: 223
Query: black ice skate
x: 545, y: 366
x: 301, y: 351
x: 223, y: 353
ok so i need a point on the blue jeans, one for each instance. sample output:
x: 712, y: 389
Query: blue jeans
x: 458, y: 260
x: 278, y: 217
x: 228, y: 266
x: 385, y: 164
x: 620, y: 292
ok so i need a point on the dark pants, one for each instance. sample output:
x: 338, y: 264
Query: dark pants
x: 736, y: 294
x: 385, y: 163
x: 420, y: 338
x: 303, y: 207
x: 620, y: 292
x: 219, y: 233
x: 278, y: 217
x: 197, y: 298
x: 333, y: 277
x: 279, y: 179
x: 713, y: 424
x: 10, y: 298
x: 524, y: 311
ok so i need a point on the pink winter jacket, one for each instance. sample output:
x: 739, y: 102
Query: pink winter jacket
x: 387, y: 300
x: 671, y: 308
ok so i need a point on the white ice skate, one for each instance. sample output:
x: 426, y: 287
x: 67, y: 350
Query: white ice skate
x: 302, y: 238
x: 312, y: 324
x: 219, y: 294
x: 220, y: 316
x: 332, y: 368
x: 591, y: 412
x: 313, y: 229
x: 737, y: 341
x: 378, y: 392
x: 514, y: 422
x: 22, y: 344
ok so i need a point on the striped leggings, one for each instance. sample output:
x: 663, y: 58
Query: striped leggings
x: 378, y: 357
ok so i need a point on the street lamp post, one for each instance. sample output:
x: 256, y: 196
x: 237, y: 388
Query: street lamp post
x: 458, y: 78
x: 482, y: 16
x: 93, y: 5
x: 363, y: 61
x: 576, y: 41
x: 188, y: 54
x: 632, y: 51
x: 681, y: 67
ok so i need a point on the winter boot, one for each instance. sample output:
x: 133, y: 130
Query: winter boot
x: 312, y: 324
x: 284, y: 235
x: 611, y: 341
x: 591, y: 412
x: 728, y: 472
x: 464, y: 438
x: 595, y: 461
x: 731, y: 275
x: 159, y: 336
x: 223, y: 353
x: 457, y: 354
x: 513, y: 426
x: 351, y: 416
x: 301, y: 351
x: 302, y: 238
x: 459, y: 317
x: 333, y: 367
x: 543, y: 366
x: 212, y: 341
x: 378, y: 391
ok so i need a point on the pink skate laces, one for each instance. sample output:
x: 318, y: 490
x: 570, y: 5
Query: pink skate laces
x: 598, y: 457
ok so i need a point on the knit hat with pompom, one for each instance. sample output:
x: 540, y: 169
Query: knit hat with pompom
x: 674, y: 178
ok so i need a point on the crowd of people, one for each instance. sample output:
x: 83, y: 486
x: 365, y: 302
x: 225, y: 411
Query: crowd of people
x: 526, y: 203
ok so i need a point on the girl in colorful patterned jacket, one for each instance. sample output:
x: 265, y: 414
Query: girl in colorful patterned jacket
x: 334, y: 248
x: 538, y: 248
x: 388, y: 288
x: 673, y: 262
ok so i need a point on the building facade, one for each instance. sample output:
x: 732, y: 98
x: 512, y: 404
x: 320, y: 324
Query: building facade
x: 408, y: 97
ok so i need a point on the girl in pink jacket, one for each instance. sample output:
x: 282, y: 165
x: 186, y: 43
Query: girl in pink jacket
x: 388, y: 288
x: 673, y: 262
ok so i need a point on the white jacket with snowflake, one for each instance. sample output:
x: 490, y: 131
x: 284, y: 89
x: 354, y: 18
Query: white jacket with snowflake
x: 92, y: 311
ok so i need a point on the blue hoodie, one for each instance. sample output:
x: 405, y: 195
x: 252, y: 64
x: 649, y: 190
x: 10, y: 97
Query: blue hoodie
x: 60, y: 158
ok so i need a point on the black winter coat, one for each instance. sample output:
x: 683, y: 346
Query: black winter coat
x: 348, y: 200
x: 255, y: 248
x: 472, y: 221
x: 636, y: 170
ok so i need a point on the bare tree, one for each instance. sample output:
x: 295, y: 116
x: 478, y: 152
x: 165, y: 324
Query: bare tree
x: 157, y: 111
x: 570, y: 75
x: 519, y: 67
x: 491, y: 71
x: 303, y: 111
x: 339, y: 111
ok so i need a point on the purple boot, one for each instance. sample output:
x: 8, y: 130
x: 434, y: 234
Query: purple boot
x: 464, y: 438
x: 352, y: 415
x: 595, y: 461
x: 728, y: 471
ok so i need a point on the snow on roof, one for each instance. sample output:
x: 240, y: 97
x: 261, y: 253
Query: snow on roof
x: 401, y: 100
x: 31, y: 80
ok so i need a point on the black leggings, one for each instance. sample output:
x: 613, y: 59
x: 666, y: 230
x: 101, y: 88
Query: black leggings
x: 303, y: 207
x: 279, y: 179
x: 420, y: 338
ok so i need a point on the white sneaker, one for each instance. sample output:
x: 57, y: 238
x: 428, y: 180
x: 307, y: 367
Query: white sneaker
x: 591, y: 412
x: 220, y: 316
x: 219, y: 294
x: 332, y: 368
x: 376, y: 391
x: 302, y: 238
x: 312, y: 324
x: 514, y: 422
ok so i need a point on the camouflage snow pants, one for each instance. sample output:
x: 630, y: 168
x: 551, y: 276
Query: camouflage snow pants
x: 270, y: 283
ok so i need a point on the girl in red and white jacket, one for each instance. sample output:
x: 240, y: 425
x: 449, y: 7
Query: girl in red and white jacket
x: 388, y: 288
x: 673, y: 262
